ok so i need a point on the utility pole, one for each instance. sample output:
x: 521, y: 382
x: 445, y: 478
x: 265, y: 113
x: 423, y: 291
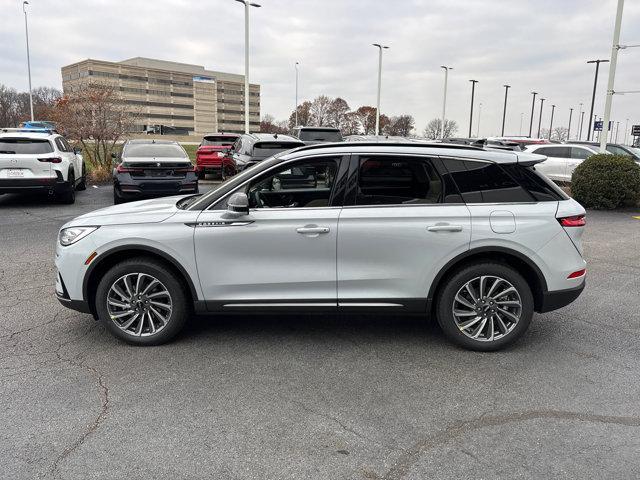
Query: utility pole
x: 533, y: 107
x: 595, y: 85
x: 444, y: 97
x: 473, y: 89
x: 540, y: 120
x: 380, y: 48
x: 612, y: 76
x: 553, y: 108
x: 504, y: 112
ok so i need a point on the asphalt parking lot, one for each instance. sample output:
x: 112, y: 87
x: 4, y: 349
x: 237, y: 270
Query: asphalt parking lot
x: 313, y: 397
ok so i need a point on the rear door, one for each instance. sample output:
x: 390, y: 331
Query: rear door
x: 19, y: 158
x: 402, y: 224
x: 555, y: 166
x: 578, y: 155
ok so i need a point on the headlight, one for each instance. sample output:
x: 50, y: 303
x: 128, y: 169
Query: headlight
x: 71, y: 235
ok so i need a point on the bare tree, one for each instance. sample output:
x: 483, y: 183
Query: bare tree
x: 9, y: 107
x: 268, y: 124
x: 560, y: 134
x: 350, y: 124
x: 367, y: 118
x: 95, y: 116
x: 433, y: 129
x: 320, y: 111
x: 401, y: 125
x: 337, y: 111
x: 304, y: 115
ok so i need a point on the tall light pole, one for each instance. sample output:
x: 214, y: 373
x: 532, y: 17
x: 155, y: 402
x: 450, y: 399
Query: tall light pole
x: 444, y: 97
x: 504, y: 112
x: 479, y: 115
x: 612, y: 76
x: 246, y: 4
x: 380, y: 48
x: 521, y: 120
x: 569, y: 127
x: 626, y: 129
x: 473, y: 90
x: 595, y: 117
x: 581, y: 124
x: 540, y: 120
x: 617, y: 128
x: 296, y: 110
x: 553, y: 109
x: 26, y: 31
x: 533, y: 107
x: 593, y: 97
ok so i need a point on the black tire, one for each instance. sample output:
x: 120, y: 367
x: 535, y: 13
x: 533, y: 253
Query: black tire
x: 117, y: 199
x: 455, y: 282
x: 83, y: 179
x: 178, y: 299
x: 201, y: 175
x: 69, y: 195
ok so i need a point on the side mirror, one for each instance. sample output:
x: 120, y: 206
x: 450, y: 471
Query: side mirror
x: 113, y: 155
x: 77, y: 151
x: 238, y: 204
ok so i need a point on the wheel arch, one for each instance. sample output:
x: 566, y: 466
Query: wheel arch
x: 116, y: 255
x: 524, y: 265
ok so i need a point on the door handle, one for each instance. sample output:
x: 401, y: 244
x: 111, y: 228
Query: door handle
x: 445, y: 228
x: 312, y: 230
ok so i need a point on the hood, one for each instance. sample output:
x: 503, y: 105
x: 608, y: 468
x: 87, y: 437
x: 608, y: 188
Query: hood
x: 143, y: 211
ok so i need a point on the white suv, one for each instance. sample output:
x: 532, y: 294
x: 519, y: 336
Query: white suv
x: 476, y: 238
x: 562, y: 159
x: 33, y: 160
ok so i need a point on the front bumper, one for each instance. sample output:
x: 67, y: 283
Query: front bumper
x: 560, y: 298
x: 63, y: 297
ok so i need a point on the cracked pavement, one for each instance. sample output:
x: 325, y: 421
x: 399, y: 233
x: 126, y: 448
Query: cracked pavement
x: 314, y: 397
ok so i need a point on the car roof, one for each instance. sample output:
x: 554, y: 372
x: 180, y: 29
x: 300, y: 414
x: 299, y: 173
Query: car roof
x: 419, y: 148
x: 143, y: 141
x: 270, y: 137
x: 332, y: 129
x: 234, y: 135
x: 551, y: 145
x: 27, y: 133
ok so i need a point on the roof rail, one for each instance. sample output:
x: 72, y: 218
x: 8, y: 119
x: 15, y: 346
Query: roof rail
x: 389, y: 144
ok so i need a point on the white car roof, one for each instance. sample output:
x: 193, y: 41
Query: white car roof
x: 26, y: 134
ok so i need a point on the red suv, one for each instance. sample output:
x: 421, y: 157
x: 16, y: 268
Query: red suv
x: 213, y: 155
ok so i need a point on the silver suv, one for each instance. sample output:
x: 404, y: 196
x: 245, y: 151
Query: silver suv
x: 475, y: 238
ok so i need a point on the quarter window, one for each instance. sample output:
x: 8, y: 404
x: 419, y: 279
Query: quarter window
x: 397, y: 180
x: 298, y: 185
x: 482, y: 182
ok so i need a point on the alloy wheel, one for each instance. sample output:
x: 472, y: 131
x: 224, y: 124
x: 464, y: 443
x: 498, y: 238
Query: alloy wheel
x: 139, y: 304
x: 487, y: 308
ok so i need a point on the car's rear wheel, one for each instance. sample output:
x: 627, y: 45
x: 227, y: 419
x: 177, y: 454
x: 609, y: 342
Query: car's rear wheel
x: 201, y: 175
x: 141, y: 302
x: 83, y: 179
x: 69, y: 195
x: 117, y: 199
x: 485, y: 306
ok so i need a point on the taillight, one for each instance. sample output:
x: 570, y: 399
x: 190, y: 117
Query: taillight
x: 575, y: 221
x: 578, y: 273
x: 122, y: 169
x: 50, y: 160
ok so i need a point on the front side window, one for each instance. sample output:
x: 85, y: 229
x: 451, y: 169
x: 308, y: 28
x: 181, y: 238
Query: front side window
x: 580, y: 153
x: 483, y: 182
x: 397, y: 180
x: 306, y: 184
x: 617, y: 150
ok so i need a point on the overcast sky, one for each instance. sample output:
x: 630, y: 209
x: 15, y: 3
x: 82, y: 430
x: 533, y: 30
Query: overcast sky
x: 540, y: 45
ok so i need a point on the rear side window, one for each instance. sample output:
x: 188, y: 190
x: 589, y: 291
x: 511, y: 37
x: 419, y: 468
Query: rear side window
x: 397, y: 180
x: 540, y: 188
x: 580, y: 153
x: 25, y: 146
x: 560, y: 152
x: 482, y: 182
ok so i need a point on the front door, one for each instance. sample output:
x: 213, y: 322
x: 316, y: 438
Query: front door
x: 284, y: 251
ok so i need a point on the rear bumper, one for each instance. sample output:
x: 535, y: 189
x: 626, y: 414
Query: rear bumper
x: 134, y: 188
x: 560, y: 298
x: 33, y: 185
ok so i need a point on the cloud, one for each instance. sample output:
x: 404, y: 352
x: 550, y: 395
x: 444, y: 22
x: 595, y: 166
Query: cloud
x: 540, y: 45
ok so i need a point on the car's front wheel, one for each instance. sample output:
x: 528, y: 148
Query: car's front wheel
x: 141, y: 302
x: 485, y: 306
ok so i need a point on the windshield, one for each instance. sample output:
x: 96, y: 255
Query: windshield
x: 218, y: 141
x: 153, y: 150
x: 266, y: 149
x: 320, y: 135
x: 25, y: 146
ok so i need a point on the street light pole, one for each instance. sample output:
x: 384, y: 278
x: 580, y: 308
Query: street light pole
x: 473, y: 89
x: 444, y: 98
x: 533, y: 107
x: 569, y: 127
x: 553, y: 109
x: 579, y: 136
x: 296, y: 110
x: 626, y: 129
x: 479, y: 115
x: 612, y: 76
x: 380, y: 47
x: 540, y: 120
x: 581, y: 124
x: 26, y: 31
x: 593, y: 97
x: 504, y: 111
x: 246, y: 4
x: 617, y: 128
x: 521, y: 120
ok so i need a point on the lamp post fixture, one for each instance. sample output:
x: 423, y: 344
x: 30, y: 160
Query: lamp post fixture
x: 473, y: 89
x: 444, y: 98
x: 593, y: 97
x: 246, y: 4
x: 296, y: 110
x: 504, y: 112
x: 540, y: 120
x: 380, y: 48
x: 533, y: 107
x: 26, y: 31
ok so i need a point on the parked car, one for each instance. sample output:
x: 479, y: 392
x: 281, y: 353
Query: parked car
x: 214, y: 155
x: 615, y: 148
x: 522, y: 141
x: 38, y: 125
x: 378, y: 138
x: 313, y: 135
x: 476, y: 238
x: 153, y: 168
x: 40, y: 160
x: 252, y: 148
x: 562, y: 159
